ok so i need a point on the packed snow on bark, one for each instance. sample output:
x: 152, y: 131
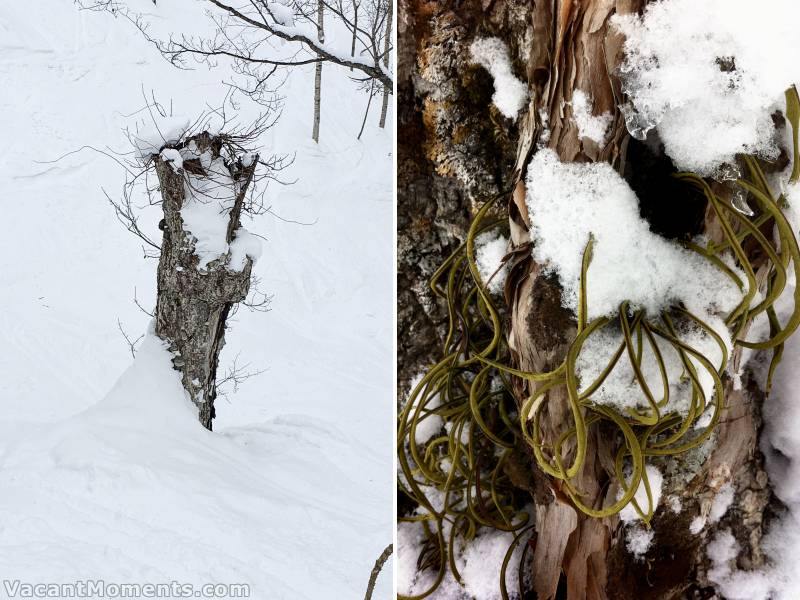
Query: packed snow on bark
x: 107, y: 472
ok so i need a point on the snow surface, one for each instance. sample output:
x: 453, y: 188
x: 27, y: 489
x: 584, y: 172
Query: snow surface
x: 708, y: 75
x: 510, y: 94
x: 292, y: 493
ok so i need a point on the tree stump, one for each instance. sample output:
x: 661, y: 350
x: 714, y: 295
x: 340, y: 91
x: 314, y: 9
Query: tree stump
x: 195, y: 299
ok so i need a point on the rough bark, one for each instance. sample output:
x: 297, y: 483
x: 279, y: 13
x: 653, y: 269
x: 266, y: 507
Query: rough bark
x: 193, y: 305
x: 557, y: 47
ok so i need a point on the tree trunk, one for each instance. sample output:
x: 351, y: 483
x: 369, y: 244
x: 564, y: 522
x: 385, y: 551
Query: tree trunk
x: 318, y: 71
x: 470, y: 153
x: 355, y: 30
x: 193, y: 304
x: 386, y: 39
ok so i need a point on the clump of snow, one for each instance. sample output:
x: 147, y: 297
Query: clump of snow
x: 510, y: 94
x: 173, y: 157
x: 158, y: 133
x: 708, y: 75
x: 479, y: 562
x: 621, y: 388
x: 482, y: 560
x: 638, y: 540
x: 722, y: 550
x: 722, y: 502
x: 209, y: 198
x: 697, y: 524
x: 244, y: 245
x: 283, y: 14
x: 571, y: 202
x: 590, y: 126
x: 490, y: 248
x: 674, y: 503
x: 733, y: 583
x: 655, y: 480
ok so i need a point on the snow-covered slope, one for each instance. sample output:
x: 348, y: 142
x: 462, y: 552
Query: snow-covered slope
x: 292, y: 493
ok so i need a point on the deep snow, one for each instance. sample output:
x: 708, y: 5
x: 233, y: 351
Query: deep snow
x: 292, y: 493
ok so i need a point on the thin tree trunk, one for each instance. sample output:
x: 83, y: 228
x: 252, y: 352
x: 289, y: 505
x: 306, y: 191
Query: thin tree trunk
x: 193, y: 305
x: 386, y: 40
x: 355, y: 30
x: 366, y: 112
x: 318, y: 71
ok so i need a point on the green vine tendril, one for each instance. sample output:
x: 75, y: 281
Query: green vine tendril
x: 461, y: 480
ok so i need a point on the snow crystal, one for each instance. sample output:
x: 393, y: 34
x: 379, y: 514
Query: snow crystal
x: 708, y: 75
x: 655, y: 481
x: 510, y: 93
x: 569, y: 202
x: 590, y: 126
x: 490, y: 248
x: 638, y: 540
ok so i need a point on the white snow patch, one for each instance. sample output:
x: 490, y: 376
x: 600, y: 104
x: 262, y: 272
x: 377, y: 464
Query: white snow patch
x: 244, y: 245
x: 479, y: 562
x: 722, y: 502
x: 510, y: 94
x: 157, y: 133
x: 590, y: 126
x: 697, y: 525
x: 173, y: 157
x: 655, y: 481
x: 490, y: 248
x: 708, y: 74
x: 284, y: 15
x: 569, y: 202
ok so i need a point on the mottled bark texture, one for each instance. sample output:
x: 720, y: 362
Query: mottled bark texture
x: 193, y: 305
x: 453, y: 150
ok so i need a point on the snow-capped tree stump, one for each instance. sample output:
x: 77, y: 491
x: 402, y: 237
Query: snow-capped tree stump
x: 195, y: 299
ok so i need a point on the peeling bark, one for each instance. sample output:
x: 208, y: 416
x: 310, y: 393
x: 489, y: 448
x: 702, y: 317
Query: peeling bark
x: 193, y: 305
x: 470, y: 153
